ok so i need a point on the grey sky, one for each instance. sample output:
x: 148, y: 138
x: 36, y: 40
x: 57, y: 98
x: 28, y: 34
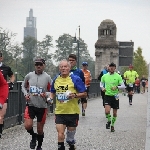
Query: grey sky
x: 55, y: 17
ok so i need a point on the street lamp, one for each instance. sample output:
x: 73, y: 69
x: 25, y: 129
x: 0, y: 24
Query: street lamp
x: 77, y: 41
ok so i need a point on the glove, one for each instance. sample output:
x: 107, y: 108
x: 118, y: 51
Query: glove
x: 11, y: 85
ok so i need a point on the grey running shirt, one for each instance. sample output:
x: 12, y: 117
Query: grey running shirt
x: 35, y: 84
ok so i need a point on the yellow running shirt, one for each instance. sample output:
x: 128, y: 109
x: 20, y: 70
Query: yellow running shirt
x: 59, y: 86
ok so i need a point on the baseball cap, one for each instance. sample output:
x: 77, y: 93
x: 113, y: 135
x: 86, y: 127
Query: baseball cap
x: 112, y: 65
x: 39, y: 60
x: 85, y: 64
x: 130, y: 66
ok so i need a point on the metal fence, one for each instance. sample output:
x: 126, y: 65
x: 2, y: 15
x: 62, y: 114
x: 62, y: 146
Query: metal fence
x: 17, y: 102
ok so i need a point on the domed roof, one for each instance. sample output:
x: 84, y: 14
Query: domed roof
x: 108, y: 20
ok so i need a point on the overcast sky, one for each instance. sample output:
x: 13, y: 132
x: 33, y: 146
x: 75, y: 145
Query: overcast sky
x: 55, y: 17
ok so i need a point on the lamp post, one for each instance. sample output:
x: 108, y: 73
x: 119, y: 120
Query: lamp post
x: 78, y: 46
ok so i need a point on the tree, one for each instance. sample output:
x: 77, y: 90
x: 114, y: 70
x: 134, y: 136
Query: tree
x: 6, y: 45
x: 44, y: 51
x: 64, y: 47
x: 140, y: 65
x: 29, y: 52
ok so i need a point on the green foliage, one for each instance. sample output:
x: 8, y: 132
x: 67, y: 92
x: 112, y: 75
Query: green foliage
x: 64, y: 46
x: 140, y: 65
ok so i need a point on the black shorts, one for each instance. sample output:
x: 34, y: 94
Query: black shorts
x: 40, y: 113
x: 129, y: 89
x: 70, y: 120
x: 111, y: 101
x: 143, y: 84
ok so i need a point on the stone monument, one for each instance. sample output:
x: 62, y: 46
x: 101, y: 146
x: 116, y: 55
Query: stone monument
x: 106, y: 47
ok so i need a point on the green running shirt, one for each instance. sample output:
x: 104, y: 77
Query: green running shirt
x: 111, y: 80
x: 131, y: 75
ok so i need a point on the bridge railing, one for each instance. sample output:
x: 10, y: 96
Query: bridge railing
x: 16, y: 103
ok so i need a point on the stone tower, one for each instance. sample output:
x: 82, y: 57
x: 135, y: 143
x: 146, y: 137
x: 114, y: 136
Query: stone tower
x: 106, y: 47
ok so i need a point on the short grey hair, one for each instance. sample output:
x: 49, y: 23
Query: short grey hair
x: 65, y: 60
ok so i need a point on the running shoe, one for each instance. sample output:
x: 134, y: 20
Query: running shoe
x: 33, y: 141
x: 83, y: 113
x: 72, y: 147
x: 108, y: 125
x: 112, y: 129
x: 38, y: 148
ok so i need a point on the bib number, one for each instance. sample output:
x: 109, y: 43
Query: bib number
x: 130, y: 85
x: 62, y: 97
x: 35, y: 91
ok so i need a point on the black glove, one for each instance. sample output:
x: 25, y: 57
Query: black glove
x: 11, y: 85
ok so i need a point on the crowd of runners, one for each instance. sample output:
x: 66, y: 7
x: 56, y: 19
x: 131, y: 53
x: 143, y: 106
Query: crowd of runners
x: 70, y: 87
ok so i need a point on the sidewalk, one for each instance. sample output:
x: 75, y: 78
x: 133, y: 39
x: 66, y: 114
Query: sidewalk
x: 91, y: 133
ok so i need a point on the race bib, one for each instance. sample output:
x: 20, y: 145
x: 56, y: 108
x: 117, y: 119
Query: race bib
x: 36, y: 90
x: 130, y: 85
x: 62, y: 97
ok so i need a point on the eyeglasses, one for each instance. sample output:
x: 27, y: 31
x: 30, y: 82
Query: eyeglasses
x: 38, y: 64
x: 72, y: 60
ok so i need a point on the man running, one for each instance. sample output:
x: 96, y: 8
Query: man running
x: 110, y: 84
x: 130, y: 77
x: 8, y: 76
x: 36, y: 87
x: 88, y: 79
x: 67, y: 88
x: 143, y: 83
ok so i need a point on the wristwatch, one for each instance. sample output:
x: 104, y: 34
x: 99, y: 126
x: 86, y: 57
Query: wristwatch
x: 75, y: 95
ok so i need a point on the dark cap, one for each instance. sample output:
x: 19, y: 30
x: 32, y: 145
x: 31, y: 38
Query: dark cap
x: 85, y: 64
x: 112, y: 65
x: 39, y: 60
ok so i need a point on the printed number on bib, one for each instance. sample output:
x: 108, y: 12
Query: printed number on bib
x: 62, y: 97
x: 130, y: 85
x: 36, y: 90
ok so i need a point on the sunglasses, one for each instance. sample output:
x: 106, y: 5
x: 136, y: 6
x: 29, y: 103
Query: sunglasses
x: 38, y: 64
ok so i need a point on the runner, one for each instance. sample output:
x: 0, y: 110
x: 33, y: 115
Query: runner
x: 110, y: 84
x: 143, y: 83
x: 130, y: 77
x: 68, y: 88
x: 3, y: 91
x: 36, y: 87
x: 88, y: 79
x: 104, y: 71
x: 8, y: 76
